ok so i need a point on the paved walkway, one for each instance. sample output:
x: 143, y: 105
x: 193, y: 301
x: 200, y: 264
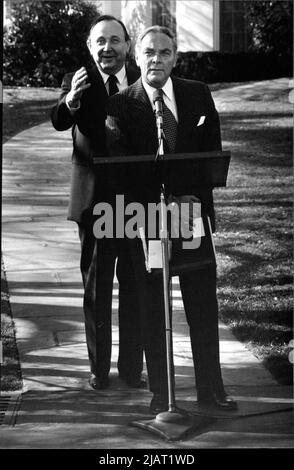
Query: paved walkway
x: 58, y: 410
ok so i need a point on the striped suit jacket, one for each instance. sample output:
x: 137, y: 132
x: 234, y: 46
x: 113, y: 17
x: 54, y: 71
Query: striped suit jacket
x: 131, y: 130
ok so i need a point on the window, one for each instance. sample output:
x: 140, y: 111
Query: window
x: 233, y: 26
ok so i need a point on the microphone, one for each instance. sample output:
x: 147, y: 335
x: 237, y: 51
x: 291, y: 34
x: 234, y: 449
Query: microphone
x: 158, y: 103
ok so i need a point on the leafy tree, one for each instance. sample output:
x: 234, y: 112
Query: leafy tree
x: 271, y: 25
x: 44, y: 40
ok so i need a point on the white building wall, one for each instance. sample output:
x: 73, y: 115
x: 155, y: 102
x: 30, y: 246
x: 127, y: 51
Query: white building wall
x: 111, y: 7
x: 196, y: 25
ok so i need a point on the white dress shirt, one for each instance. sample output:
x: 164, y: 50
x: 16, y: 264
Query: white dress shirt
x: 122, y: 81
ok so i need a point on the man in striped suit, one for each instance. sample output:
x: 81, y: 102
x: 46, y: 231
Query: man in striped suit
x: 131, y: 130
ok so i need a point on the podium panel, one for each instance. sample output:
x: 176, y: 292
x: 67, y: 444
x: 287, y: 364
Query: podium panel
x: 182, y: 172
x: 183, y: 259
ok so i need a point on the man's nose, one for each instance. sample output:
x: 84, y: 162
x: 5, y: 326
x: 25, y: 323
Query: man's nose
x: 156, y: 58
x: 107, y: 46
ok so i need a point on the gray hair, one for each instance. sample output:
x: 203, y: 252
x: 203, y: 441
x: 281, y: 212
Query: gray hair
x: 157, y: 29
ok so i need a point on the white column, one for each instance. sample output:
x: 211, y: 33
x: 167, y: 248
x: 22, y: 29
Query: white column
x: 216, y: 26
x: 6, y: 11
x: 195, y: 25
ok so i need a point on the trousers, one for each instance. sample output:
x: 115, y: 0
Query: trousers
x: 97, y: 264
x: 198, y: 290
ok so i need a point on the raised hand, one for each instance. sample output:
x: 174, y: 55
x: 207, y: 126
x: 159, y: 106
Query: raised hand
x: 78, y: 85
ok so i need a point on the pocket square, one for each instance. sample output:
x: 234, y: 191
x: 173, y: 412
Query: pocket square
x: 201, y: 121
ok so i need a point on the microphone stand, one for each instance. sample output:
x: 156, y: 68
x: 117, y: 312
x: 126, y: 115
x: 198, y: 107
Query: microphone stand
x: 166, y: 288
x: 175, y: 423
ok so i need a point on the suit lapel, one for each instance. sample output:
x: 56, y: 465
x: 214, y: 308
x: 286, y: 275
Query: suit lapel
x: 96, y: 80
x: 141, y: 104
x: 186, y: 111
x: 142, y: 115
x: 141, y: 96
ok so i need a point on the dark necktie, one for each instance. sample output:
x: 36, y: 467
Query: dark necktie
x: 170, y: 127
x: 112, y: 83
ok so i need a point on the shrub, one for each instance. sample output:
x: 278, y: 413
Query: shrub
x: 271, y: 26
x: 45, y: 40
x: 212, y: 67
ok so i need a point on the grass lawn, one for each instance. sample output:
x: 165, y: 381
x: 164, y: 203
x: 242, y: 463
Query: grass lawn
x: 11, y: 378
x: 254, y: 225
x: 254, y: 213
x: 25, y: 107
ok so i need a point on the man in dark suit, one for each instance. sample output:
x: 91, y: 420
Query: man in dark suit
x: 81, y: 106
x: 191, y: 124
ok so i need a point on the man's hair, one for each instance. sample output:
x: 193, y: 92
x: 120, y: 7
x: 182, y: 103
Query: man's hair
x: 109, y: 18
x: 157, y: 29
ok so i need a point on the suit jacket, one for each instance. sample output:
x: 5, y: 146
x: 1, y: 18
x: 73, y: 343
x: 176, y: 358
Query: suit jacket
x: 88, y: 134
x: 131, y: 130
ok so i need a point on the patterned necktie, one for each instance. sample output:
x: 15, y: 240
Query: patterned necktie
x: 112, y: 83
x: 170, y: 128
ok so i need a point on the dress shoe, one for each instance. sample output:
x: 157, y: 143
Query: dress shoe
x: 219, y: 401
x: 98, y: 383
x: 158, y: 404
x: 136, y: 382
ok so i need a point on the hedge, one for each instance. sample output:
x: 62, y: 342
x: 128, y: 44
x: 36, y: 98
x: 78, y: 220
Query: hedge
x: 214, y: 67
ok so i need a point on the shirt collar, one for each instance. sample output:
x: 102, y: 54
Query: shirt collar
x: 167, y: 89
x: 120, y: 75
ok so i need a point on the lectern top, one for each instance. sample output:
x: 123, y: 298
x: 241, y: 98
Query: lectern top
x: 182, y: 171
x: 167, y: 157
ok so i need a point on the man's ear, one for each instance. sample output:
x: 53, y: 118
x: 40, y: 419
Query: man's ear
x: 89, y: 45
x: 129, y: 44
x: 137, y: 57
x: 176, y: 59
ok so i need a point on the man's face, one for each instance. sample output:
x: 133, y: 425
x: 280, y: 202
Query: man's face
x: 108, y: 47
x: 156, y: 58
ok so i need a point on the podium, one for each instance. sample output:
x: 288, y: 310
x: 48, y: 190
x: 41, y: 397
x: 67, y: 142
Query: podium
x: 183, y: 172
x: 180, y: 174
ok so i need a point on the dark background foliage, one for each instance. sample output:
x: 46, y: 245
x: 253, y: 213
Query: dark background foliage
x: 271, y: 26
x: 46, y: 39
x: 212, y: 67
